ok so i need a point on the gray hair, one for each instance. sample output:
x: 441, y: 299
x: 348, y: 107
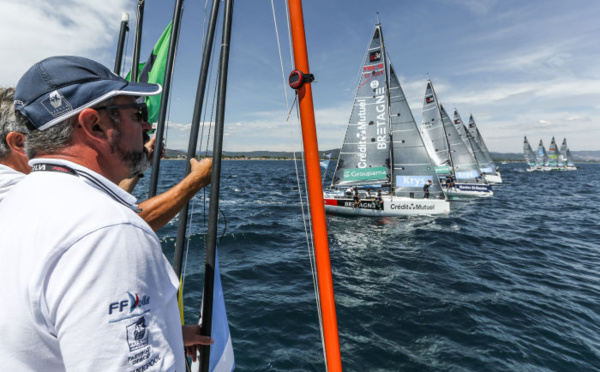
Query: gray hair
x: 58, y: 136
x: 8, y: 120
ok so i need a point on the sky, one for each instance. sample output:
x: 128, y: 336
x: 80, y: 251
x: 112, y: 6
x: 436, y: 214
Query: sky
x: 522, y: 68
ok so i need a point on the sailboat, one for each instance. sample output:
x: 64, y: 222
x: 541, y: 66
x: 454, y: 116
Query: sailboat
x: 552, y: 163
x: 565, y: 160
x: 529, y: 155
x: 383, y: 158
x: 493, y: 174
x: 486, y: 164
x: 449, y: 153
x: 541, y: 158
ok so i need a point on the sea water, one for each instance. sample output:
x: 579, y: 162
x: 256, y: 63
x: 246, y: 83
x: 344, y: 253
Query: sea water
x: 508, y: 283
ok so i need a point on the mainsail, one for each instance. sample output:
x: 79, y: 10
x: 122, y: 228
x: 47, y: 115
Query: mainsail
x: 552, y: 154
x: 412, y: 167
x: 465, y: 166
x: 479, y: 140
x: 486, y: 165
x: 365, y: 155
x: 460, y: 127
x: 434, y: 135
x: 562, y: 154
x: 541, y: 158
x: 528, y: 153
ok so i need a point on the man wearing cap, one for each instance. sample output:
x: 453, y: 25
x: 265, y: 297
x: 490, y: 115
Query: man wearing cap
x: 85, y: 284
x: 156, y: 211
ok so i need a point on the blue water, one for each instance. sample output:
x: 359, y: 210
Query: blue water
x: 509, y: 283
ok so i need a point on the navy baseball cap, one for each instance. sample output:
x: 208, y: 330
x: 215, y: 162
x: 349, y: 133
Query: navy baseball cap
x: 60, y: 87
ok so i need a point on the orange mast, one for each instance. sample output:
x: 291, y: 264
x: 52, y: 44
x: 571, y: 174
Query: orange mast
x: 315, y: 190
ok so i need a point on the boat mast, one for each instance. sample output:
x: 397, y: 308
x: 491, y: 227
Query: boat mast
x: 315, y: 191
x: 387, y: 93
x: 215, y: 184
x: 193, y: 141
x: 162, y: 113
x: 437, y: 104
x: 122, y: 35
x: 137, y: 44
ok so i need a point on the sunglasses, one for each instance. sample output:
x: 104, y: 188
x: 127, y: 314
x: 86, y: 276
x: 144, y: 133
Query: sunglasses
x: 141, y: 115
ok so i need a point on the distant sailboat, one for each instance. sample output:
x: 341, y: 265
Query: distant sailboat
x: 486, y: 164
x: 552, y: 163
x: 495, y: 176
x: 383, y: 151
x: 565, y: 160
x: 448, y: 151
x: 529, y: 155
x: 541, y: 159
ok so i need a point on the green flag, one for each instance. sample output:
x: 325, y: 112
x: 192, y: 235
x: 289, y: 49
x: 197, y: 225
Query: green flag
x: 153, y: 71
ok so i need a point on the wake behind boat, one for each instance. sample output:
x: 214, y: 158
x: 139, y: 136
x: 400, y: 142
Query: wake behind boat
x: 383, y: 168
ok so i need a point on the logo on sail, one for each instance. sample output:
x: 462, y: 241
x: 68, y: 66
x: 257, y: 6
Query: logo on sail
x: 376, y: 173
x: 375, y: 56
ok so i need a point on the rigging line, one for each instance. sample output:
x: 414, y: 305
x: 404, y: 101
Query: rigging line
x: 304, y: 206
x: 280, y: 57
x: 310, y: 244
x: 206, y: 98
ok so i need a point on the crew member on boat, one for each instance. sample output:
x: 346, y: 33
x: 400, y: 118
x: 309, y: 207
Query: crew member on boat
x: 157, y: 211
x: 89, y: 286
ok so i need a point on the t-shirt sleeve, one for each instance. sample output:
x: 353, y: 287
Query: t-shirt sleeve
x: 111, y: 301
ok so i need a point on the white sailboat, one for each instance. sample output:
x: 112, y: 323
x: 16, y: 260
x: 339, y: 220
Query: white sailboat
x: 553, y: 155
x: 453, y: 161
x: 565, y: 160
x: 541, y: 158
x: 493, y: 174
x: 529, y: 155
x: 383, y: 157
x: 486, y: 164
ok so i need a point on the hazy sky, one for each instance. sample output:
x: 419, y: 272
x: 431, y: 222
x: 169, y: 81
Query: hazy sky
x: 521, y: 67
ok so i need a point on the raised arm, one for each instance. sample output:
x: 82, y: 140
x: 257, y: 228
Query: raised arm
x: 159, y: 210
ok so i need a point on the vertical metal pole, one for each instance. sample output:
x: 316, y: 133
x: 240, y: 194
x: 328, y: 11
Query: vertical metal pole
x: 193, y: 142
x: 121, y: 43
x: 162, y: 113
x: 138, y: 40
x: 315, y: 190
x: 213, y: 210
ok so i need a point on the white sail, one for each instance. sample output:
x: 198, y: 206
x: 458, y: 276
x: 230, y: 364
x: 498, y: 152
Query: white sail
x: 528, y: 154
x: 479, y: 140
x: 434, y: 135
x: 552, y: 154
x: 541, y: 159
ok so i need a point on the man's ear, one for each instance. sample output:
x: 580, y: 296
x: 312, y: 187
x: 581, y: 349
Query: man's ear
x: 16, y: 142
x: 92, y: 125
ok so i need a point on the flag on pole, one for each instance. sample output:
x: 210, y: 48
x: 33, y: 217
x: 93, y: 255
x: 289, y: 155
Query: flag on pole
x: 221, y: 352
x: 153, y: 71
x: 325, y: 163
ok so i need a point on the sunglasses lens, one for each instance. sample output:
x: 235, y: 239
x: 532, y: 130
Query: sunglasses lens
x: 142, y: 115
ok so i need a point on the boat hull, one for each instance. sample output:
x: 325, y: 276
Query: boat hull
x: 469, y: 191
x: 392, y: 207
x: 493, y: 179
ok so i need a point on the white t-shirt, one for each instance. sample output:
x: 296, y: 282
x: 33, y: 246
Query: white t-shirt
x: 83, y: 281
x: 8, y: 178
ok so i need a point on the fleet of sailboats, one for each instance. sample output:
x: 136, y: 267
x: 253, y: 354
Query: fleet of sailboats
x: 391, y: 166
x: 554, y: 159
x: 383, y: 168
